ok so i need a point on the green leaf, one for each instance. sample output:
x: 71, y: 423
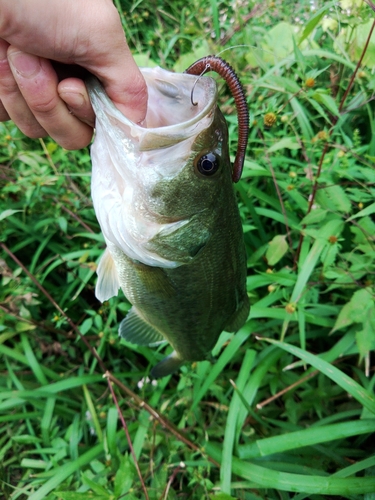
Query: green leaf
x: 334, y: 198
x: 302, y: 118
x: 306, y: 437
x: 8, y: 213
x: 301, y: 60
x: 327, y: 101
x: 365, y: 338
x: 63, y: 223
x: 70, y: 495
x: 354, y: 311
x: 97, y: 488
x: 26, y: 439
x: 329, y: 255
x: 332, y: 228
x: 286, y: 142
x: 316, y: 215
x: 124, y: 477
x: 363, y: 213
x: 366, y: 398
x: 221, y: 496
x: 315, y: 20
x: 358, y: 39
x: 86, y: 325
x: 230, y: 428
x: 284, y: 481
x: 277, y: 248
x: 235, y: 343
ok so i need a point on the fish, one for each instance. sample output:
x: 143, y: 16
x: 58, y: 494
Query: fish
x: 163, y: 196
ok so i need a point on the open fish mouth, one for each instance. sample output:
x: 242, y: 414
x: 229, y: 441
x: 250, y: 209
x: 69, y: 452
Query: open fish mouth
x: 171, y: 116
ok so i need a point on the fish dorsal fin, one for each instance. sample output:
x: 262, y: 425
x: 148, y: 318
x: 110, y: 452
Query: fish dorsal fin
x: 167, y: 366
x: 108, y: 281
x: 136, y: 330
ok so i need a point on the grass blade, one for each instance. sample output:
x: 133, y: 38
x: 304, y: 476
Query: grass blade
x: 284, y: 481
x: 349, y: 385
x: 230, y: 428
x: 306, y: 437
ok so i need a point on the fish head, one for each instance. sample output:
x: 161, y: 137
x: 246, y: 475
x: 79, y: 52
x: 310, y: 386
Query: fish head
x: 155, y: 186
x: 200, y: 166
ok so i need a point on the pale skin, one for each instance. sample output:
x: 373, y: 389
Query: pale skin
x: 87, y: 33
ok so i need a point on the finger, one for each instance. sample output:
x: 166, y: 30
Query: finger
x: 73, y: 92
x: 3, y: 59
x: 4, y: 117
x: 113, y: 63
x: 13, y: 105
x: 38, y: 83
x: 127, y: 89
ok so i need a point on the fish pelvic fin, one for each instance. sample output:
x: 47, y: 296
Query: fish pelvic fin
x: 108, y: 282
x: 167, y: 366
x: 136, y: 330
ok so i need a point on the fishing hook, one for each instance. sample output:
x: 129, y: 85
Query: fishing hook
x: 214, y: 63
x: 196, y: 81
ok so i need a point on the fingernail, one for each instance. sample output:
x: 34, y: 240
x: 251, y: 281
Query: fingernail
x: 72, y: 99
x: 26, y: 65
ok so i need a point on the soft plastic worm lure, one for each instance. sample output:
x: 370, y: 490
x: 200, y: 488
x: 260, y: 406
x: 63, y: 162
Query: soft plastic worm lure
x: 214, y: 63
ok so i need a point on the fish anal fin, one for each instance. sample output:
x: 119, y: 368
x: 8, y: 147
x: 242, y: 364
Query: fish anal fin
x: 167, y: 366
x: 108, y: 282
x: 134, y: 329
x: 239, y: 317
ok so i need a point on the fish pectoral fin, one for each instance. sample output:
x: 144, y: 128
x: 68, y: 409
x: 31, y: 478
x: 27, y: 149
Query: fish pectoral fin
x: 108, y: 282
x: 136, y: 330
x: 239, y: 317
x: 167, y: 366
x: 181, y: 241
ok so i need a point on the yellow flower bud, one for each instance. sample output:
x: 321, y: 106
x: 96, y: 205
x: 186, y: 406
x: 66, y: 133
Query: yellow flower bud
x: 310, y: 82
x: 269, y: 119
x: 290, y: 308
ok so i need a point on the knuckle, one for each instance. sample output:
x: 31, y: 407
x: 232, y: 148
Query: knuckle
x: 45, y: 105
x: 8, y: 85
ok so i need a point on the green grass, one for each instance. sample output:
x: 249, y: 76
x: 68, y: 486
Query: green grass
x: 288, y: 409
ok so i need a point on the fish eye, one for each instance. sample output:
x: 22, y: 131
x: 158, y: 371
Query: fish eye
x: 208, y: 164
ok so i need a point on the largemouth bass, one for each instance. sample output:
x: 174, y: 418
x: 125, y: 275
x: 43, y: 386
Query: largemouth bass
x: 164, y: 199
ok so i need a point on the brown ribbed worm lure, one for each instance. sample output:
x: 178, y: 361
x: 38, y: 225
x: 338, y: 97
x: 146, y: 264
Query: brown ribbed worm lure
x: 214, y: 63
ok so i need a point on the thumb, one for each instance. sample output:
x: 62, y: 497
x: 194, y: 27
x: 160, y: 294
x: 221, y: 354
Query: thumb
x: 124, y: 85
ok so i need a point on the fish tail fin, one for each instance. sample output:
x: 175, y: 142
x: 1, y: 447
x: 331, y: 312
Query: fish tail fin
x: 167, y: 366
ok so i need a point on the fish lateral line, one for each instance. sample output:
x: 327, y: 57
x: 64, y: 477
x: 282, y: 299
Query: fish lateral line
x: 225, y: 70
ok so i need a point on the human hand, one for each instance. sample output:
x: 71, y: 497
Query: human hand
x: 87, y: 33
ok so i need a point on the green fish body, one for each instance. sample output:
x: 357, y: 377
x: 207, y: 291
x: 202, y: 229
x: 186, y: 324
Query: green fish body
x: 164, y: 199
